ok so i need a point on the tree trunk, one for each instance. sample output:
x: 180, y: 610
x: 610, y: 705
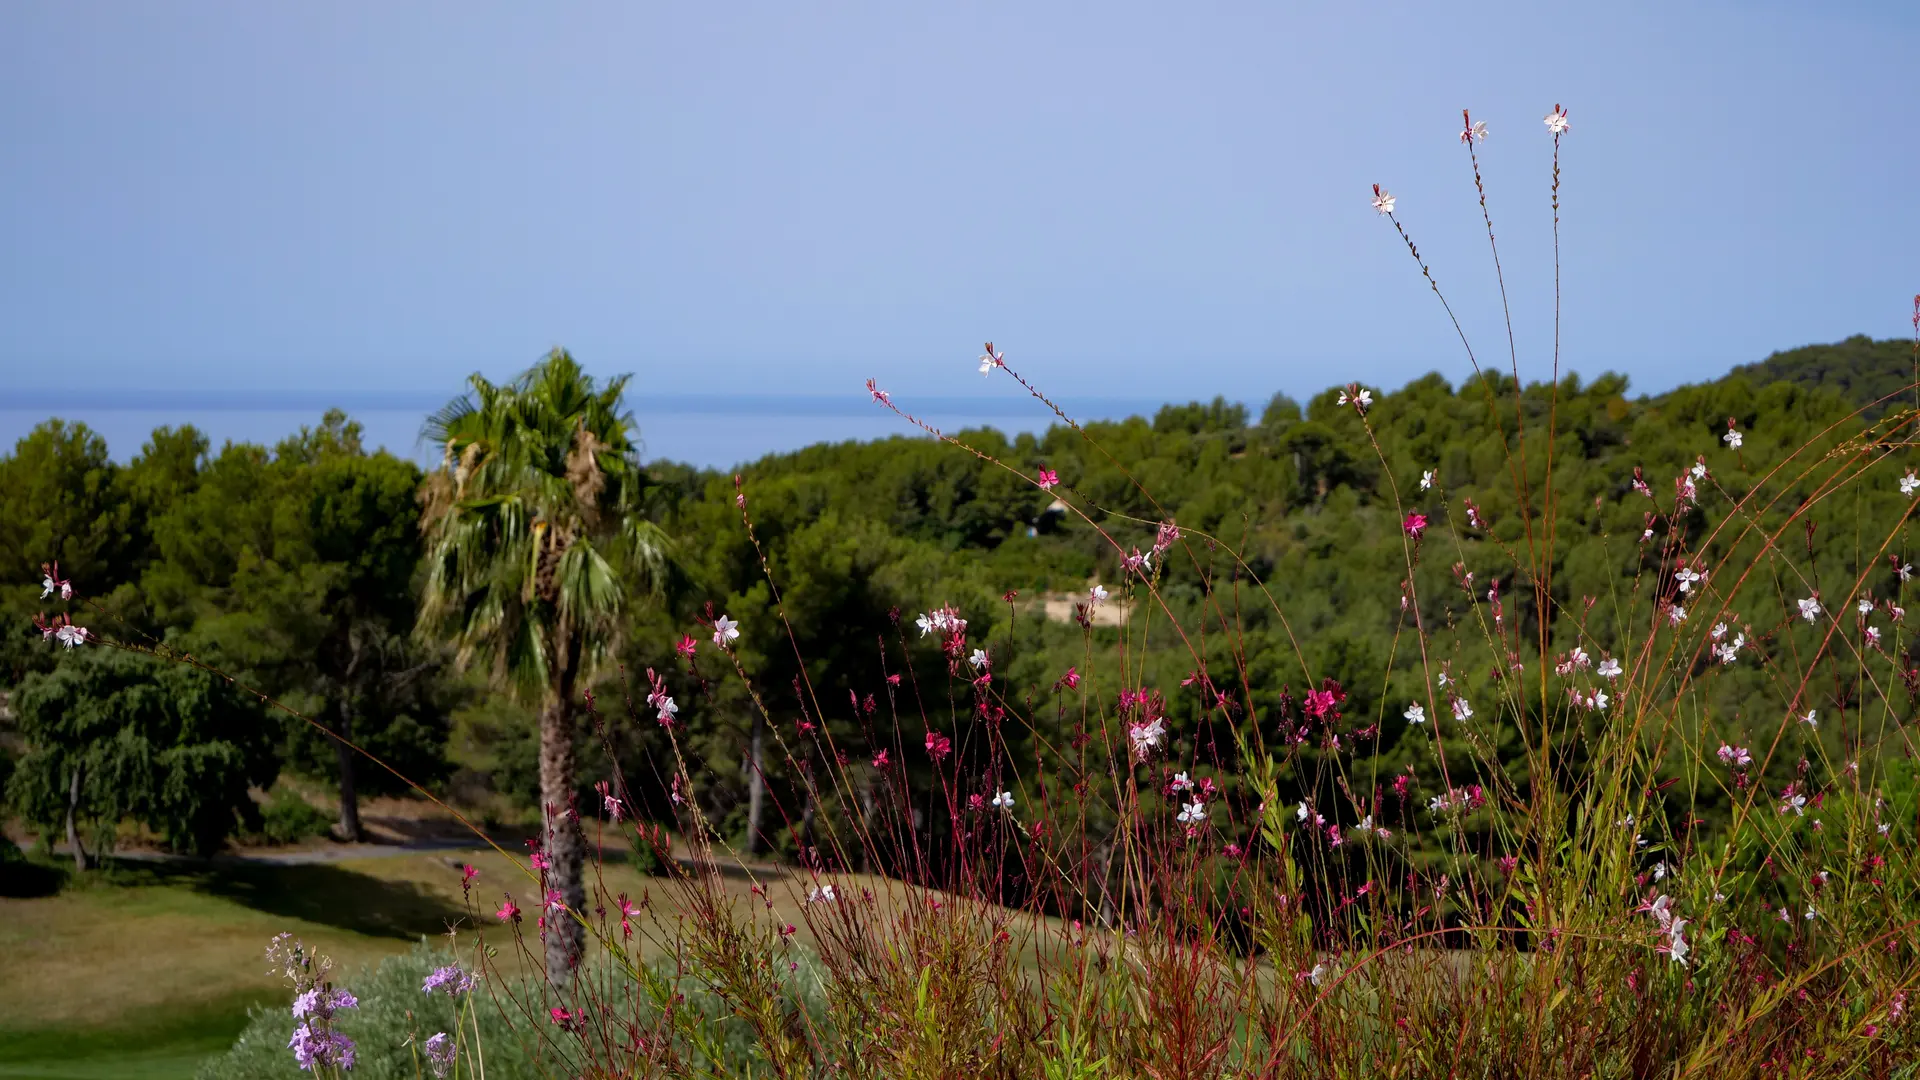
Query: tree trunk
x: 565, y: 847
x: 349, y: 797
x: 73, y: 832
x: 756, y: 781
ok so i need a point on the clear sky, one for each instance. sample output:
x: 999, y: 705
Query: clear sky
x: 1136, y: 200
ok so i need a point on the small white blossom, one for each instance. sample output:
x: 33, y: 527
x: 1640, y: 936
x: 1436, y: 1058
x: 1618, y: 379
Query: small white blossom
x: 725, y: 630
x: 1003, y: 801
x: 1556, y: 121
x: 1382, y: 201
x: 1475, y: 133
x: 1461, y: 710
x: 1909, y: 483
x: 1097, y: 594
x: 1811, y: 719
x: 1426, y: 480
x: 1676, y: 615
x: 1416, y: 714
x: 1608, y: 669
x: 1864, y: 607
x: 978, y: 659
x: 1320, y: 973
x: 991, y: 360
x: 1809, y: 609
x: 1734, y: 439
x: 822, y: 894
x: 1301, y: 813
x: 1688, y: 577
x: 1194, y: 813
x: 71, y: 635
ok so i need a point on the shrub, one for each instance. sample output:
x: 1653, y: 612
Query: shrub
x: 287, y: 818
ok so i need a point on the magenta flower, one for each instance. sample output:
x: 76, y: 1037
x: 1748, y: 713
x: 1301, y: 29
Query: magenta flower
x: 1415, y: 524
x: 938, y: 745
x: 1048, y: 478
x: 509, y: 911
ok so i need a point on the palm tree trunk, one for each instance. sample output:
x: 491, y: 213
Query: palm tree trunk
x: 73, y: 833
x: 756, y: 781
x: 349, y: 797
x: 565, y: 847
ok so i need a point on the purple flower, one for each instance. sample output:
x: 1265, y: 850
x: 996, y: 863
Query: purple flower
x: 440, y: 1053
x: 312, y: 1047
x: 320, y: 1003
x: 450, y: 979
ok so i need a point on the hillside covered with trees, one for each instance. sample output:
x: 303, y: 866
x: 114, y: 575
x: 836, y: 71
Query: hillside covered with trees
x: 299, y: 568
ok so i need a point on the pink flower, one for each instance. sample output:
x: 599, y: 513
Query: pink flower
x: 555, y: 901
x: 938, y: 745
x: 879, y: 395
x: 509, y: 911
x: 880, y: 760
x: 1070, y: 680
x: 1048, y: 478
x: 1415, y: 524
x: 539, y: 861
x: 685, y: 646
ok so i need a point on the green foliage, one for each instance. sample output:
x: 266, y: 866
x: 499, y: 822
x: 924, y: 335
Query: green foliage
x: 166, y: 744
x: 287, y: 818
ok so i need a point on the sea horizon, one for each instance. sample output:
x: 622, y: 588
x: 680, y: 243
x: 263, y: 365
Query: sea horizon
x: 707, y: 430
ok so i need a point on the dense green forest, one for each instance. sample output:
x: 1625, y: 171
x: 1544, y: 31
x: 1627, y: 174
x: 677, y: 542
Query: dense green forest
x: 298, y: 569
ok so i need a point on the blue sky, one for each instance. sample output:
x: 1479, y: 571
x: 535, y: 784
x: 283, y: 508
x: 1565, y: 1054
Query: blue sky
x: 1137, y: 201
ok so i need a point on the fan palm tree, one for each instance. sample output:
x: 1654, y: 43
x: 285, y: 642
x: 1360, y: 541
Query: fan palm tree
x: 534, y: 544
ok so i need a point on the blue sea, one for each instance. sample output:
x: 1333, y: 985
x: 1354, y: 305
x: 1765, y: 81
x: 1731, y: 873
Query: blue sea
x: 710, y: 430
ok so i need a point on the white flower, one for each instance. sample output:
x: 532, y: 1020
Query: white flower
x: 1734, y: 439
x: 978, y: 659
x: 1873, y: 635
x: 1909, y: 483
x: 1699, y: 470
x: 1382, y: 201
x: 925, y: 624
x: 1320, y: 973
x: 1194, y: 814
x: 1443, y: 678
x: 1461, y: 710
x: 991, y: 360
x: 1365, y: 399
x: 1476, y: 133
x: 822, y: 894
x: 668, y: 710
x: 1097, y: 594
x: 50, y: 586
x: 1415, y: 714
x: 1719, y: 630
x: 71, y: 635
x: 1677, y: 615
x: 1905, y: 570
x: 1556, y: 121
x: 1579, y: 658
x: 1003, y: 801
x: 1809, y: 609
x: 1659, y: 871
x: 724, y: 631
x: 1147, y: 736
x: 1180, y: 782
x: 1812, y: 913
x: 1677, y: 946
x: 1864, y: 607
x: 1811, y: 719
x: 1609, y: 668
x: 1301, y: 813
x: 1426, y: 480
x: 1598, y: 701
x: 1688, y: 577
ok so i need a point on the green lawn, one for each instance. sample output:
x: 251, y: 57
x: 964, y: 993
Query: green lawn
x: 144, y: 970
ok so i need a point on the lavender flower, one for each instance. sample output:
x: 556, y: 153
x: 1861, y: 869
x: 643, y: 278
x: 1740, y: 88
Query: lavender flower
x: 450, y: 979
x: 312, y: 1046
x: 441, y: 1050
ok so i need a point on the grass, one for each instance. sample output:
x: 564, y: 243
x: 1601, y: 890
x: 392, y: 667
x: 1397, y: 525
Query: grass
x: 143, y: 970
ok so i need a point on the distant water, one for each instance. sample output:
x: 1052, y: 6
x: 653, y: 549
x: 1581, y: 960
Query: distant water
x: 711, y: 430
